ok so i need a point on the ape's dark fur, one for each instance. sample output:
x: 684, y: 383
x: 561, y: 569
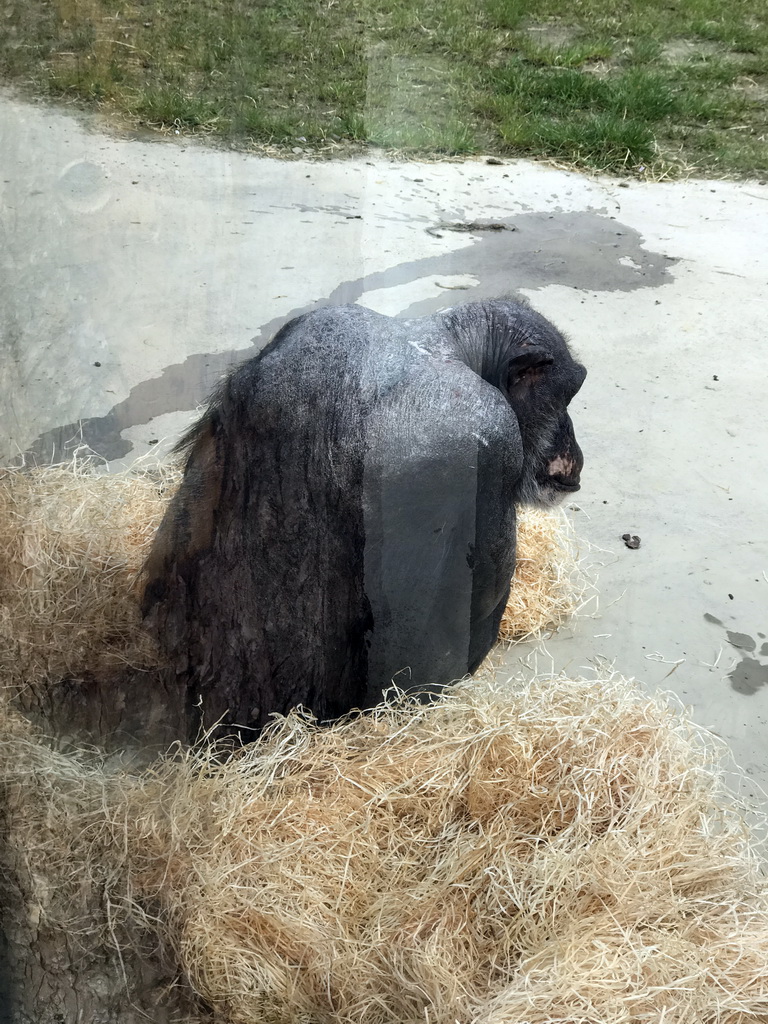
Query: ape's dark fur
x: 347, y: 510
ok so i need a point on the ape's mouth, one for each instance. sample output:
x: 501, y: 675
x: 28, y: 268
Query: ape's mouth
x: 564, y: 485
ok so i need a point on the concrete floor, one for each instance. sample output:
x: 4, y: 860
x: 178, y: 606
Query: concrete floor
x: 134, y: 273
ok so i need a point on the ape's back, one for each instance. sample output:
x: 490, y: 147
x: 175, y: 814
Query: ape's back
x: 325, y: 535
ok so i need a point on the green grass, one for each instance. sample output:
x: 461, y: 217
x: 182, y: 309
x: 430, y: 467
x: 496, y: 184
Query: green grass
x: 646, y: 86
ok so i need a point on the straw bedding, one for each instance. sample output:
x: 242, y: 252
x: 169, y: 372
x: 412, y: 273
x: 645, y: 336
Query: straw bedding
x: 548, y: 851
x: 550, y: 584
x: 514, y: 853
x: 72, y: 542
x: 560, y: 851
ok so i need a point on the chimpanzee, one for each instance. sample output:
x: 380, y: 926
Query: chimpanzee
x: 347, y: 512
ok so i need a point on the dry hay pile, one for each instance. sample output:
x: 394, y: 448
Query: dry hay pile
x: 73, y: 539
x: 72, y: 948
x: 556, y: 851
x: 549, y: 586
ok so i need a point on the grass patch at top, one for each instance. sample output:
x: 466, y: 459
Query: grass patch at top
x: 648, y: 85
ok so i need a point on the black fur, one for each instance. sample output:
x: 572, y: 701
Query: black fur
x: 347, y: 514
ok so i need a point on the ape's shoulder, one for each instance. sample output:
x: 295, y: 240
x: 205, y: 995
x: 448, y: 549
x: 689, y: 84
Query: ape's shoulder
x: 443, y: 412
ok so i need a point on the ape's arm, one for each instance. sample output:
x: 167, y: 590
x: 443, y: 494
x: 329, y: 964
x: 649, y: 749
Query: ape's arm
x: 442, y: 460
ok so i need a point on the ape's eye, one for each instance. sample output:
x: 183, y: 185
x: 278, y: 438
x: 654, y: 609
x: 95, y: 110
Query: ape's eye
x: 533, y: 373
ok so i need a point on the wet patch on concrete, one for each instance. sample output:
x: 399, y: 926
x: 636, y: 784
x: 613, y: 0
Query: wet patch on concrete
x: 532, y: 251
x: 585, y: 250
x: 741, y: 641
x: 750, y: 674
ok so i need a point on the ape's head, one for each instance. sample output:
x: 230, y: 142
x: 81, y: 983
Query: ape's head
x: 540, y: 377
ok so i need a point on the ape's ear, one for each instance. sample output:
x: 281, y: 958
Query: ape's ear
x: 528, y: 365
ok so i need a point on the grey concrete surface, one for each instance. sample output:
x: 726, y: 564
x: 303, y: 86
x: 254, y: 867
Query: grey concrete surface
x: 134, y: 273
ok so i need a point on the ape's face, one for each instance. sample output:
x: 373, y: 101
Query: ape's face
x: 540, y: 391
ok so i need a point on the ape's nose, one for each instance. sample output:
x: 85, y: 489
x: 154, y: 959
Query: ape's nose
x: 564, y: 469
